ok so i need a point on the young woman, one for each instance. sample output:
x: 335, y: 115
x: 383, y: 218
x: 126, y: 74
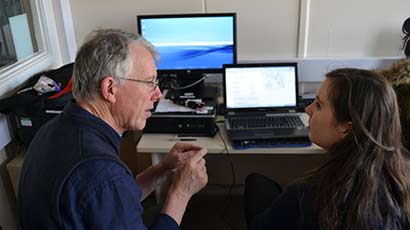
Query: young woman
x: 365, y: 182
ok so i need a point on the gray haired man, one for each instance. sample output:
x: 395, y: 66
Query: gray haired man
x: 72, y: 177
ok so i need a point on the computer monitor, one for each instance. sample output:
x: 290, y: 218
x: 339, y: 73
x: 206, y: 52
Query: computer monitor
x: 191, y: 45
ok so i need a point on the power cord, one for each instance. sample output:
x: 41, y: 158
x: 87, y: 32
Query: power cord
x: 229, y: 194
x: 172, y: 86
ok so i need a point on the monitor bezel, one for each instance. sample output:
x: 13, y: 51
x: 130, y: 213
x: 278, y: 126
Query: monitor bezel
x: 193, y: 72
x: 263, y: 64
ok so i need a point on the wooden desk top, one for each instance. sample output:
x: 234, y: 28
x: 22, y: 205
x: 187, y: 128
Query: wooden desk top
x: 161, y: 143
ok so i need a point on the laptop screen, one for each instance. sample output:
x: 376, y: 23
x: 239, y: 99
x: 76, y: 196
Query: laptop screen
x: 265, y: 85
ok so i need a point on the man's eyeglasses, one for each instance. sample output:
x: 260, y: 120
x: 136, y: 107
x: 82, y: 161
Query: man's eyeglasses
x: 152, y: 84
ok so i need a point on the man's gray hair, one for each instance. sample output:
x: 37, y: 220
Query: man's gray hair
x: 105, y: 52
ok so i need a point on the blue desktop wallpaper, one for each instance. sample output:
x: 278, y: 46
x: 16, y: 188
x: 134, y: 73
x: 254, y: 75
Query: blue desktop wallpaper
x: 191, y: 43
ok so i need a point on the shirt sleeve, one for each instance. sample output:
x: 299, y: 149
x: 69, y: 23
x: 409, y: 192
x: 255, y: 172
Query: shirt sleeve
x: 164, y: 222
x: 291, y: 210
x: 115, y: 204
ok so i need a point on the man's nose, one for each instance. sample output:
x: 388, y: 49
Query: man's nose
x: 157, y: 94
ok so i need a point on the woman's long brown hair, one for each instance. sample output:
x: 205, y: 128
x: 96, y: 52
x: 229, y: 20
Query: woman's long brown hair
x: 366, y: 181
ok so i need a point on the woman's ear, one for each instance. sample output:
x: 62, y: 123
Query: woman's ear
x: 108, y: 89
x: 345, y: 127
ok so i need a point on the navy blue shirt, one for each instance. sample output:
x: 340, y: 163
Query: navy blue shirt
x: 72, y: 178
x: 294, y: 209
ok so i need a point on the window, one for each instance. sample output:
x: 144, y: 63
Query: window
x: 47, y: 26
x: 17, y: 37
x: 52, y: 38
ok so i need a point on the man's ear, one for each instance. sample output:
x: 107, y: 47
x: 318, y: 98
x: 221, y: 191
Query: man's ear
x: 108, y: 89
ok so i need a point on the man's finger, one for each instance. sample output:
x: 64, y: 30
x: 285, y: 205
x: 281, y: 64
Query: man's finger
x: 202, y: 162
x: 189, y: 154
x: 183, y: 147
x: 198, y: 156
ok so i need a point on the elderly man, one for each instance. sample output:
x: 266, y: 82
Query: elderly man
x: 72, y: 177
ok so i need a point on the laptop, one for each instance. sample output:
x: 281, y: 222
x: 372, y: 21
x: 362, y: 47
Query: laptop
x: 260, y: 102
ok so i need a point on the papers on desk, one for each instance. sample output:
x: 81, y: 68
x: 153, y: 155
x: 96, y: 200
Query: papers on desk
x: 168, y: 106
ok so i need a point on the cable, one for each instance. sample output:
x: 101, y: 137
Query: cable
x: 189, y: 85
x: 229, y: 194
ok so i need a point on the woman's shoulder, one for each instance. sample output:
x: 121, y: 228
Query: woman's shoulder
x: 301, y: 186
x: 300, y: 192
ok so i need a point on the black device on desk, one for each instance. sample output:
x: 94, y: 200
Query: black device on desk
x: 204, y: 93
x: 271, y: 143
x: 182, y: 120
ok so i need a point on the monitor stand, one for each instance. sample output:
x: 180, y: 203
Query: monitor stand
x: 204, y: 93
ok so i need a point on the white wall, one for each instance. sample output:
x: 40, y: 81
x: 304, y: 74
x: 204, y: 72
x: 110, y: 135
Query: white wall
x: 271, y: 29
x: 347, y: 28
x: 266, y: 29
x: 92, y: 14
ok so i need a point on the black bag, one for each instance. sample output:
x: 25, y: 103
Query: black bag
x: 31, y: 110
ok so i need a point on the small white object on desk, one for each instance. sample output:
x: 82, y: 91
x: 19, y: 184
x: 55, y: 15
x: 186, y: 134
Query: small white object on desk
x: 168, y: 106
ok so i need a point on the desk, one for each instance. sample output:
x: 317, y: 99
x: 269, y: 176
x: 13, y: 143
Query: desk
x: 158, y: 144
x: 297, y: 160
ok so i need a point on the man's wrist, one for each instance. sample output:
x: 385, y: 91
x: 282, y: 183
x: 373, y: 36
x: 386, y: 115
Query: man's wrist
x: 178, y: 193
x: 162, y: 171
x: 176, y: 203
x: 162, y: 167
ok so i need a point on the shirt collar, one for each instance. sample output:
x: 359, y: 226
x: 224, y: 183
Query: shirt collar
x: 88, y: 120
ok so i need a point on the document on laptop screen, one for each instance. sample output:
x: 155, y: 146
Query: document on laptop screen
x: 254, y: 87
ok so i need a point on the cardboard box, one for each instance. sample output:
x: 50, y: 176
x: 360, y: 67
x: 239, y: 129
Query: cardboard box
x: 14, y: 169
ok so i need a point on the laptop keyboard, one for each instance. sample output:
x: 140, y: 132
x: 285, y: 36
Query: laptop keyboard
x: 266, y: 122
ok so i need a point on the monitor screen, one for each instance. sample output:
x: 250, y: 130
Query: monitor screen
x: 191, y: 43
x: 265, y: 85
